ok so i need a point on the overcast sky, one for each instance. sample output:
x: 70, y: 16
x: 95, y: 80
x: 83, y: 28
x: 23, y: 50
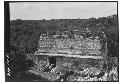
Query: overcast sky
x: 61, y: 10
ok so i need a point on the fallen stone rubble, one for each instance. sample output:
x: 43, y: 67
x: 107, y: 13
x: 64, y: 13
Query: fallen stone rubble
x: 89, y: 74
x: 73, y: 73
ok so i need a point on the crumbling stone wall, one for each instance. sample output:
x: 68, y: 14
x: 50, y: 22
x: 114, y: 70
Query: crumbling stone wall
x: 73, y: 45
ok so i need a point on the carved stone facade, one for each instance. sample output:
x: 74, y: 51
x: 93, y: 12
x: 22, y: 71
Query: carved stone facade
x: 66, y: 45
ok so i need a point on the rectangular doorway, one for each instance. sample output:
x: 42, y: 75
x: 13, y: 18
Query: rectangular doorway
x: 52, y: 61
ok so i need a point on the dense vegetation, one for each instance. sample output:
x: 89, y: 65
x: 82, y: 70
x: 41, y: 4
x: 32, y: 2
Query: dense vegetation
x: 24, y: 36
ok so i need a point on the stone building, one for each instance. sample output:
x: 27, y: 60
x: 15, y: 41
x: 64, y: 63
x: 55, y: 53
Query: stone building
x: 61, y: 50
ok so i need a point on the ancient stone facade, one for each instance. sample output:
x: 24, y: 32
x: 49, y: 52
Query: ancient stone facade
x: 66, y: 45
x: 55, y: 49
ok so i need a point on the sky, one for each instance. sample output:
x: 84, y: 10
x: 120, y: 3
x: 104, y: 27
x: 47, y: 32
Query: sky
x: 61, y: 10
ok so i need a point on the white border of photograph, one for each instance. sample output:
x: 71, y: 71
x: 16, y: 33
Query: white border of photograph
x: 121, y: 14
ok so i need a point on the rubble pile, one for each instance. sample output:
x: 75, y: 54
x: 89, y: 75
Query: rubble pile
x: 79, y: 73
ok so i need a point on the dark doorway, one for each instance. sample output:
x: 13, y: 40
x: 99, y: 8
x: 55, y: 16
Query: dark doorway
x: 52, y: 61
